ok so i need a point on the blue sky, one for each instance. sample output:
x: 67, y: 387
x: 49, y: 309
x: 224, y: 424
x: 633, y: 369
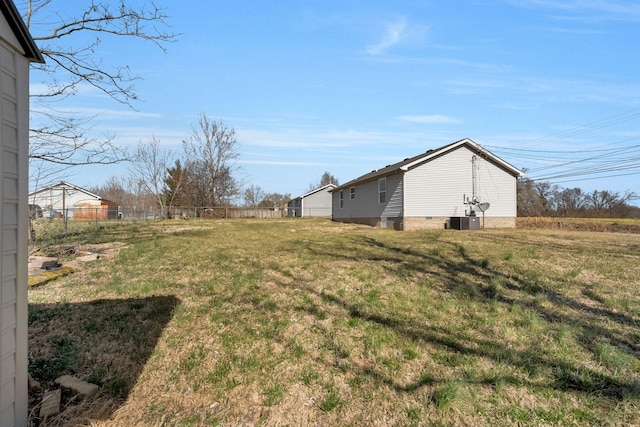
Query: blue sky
x: 351, y: 86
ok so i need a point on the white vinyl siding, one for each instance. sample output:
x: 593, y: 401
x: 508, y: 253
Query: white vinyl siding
x: 317, y: 204
x: 61, y: 197
x: 9, y: 272
x: 438, y: 187
x: 14, y: 84
x: 14, y: 149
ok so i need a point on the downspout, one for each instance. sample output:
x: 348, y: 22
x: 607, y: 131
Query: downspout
x: 473, y: 179
x: 403, y: 199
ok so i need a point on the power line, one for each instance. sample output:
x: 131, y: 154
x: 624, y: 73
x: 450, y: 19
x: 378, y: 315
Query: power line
x: 581, y: 165
x: 579, y: 130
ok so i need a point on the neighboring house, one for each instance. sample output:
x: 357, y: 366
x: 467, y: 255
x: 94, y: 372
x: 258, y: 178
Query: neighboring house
x: 426, y: 191
x: 313, y: 203
x: 70, y: 201
x: 17, y: 50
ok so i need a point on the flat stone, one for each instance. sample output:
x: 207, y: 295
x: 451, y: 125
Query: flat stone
x: 77, y: 387
x: 43, y: 262
x: 50, y: 405
x: 87, y: 258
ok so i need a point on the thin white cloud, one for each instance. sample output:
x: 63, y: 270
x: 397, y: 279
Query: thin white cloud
x: 395, y: 33
x: 44, y: 89
x: 546, y: 89
x: 429, y: 119
x: 591, y: 10
x: 585, y: 32
x: 444, y: 61
x: 295, y: 137
x: 279, y: 163
x: 513, y: 106
x: 102, y: 113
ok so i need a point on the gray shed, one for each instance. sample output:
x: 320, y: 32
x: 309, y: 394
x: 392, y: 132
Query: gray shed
x: 17, y: 50
x: 312, y: 204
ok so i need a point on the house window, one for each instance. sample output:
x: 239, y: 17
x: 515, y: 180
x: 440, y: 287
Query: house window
x: 352, y: 193
x: 341, y: 197
x: 382, y: 190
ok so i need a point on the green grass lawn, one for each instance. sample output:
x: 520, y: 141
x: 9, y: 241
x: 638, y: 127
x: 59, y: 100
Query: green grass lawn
x: 308, y: 322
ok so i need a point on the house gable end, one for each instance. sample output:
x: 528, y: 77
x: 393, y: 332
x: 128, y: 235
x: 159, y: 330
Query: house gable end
x: 328, y: 187
x: 472, y: 146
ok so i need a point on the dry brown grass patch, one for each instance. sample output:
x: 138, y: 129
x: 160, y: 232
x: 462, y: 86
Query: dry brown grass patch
x: 301, y: 322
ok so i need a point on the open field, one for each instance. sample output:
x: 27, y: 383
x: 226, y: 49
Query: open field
x: 607, y: 225
x: 308, y: 322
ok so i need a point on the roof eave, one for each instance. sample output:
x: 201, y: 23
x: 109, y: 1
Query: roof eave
x: 31, y: 51
x: 71, y: 186
x: 369, y: 177
x: 316, y: 190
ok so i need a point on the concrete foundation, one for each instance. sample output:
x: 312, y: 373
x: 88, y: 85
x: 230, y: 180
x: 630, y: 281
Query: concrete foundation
x: 427, y: 223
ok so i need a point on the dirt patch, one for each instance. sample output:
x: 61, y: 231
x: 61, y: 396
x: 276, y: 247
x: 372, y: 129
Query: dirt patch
x: 70, y: 259
x: 103, y: 250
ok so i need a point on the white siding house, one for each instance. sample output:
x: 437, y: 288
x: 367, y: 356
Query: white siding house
x: 67, y: 200
x: 425, y: 191
x: 313, y: 203
x: 17, y: 50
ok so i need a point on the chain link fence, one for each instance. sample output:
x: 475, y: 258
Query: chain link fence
x: 100, y: 214
x: 47, y: 225
x: 309, y: 212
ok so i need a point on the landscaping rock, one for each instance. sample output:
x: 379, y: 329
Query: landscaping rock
x: 43, y: 262
x: 76, y: 386
x: 50, y: 405
x: 33, y: 384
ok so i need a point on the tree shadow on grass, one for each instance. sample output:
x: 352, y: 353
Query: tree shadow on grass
x: 450, y: 271
x: 470, y: 278
x: 106, y: 342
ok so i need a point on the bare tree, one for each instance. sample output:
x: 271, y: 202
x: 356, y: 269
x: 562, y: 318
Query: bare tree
x: 125, y: 191
x: 325, y: 179
x: 529, y: 200
x: 63, y: 138
x: 211, y: 152
x: 545, y: 191
x: 114, y: 190
x: 570, y: 201
x: 253, y: 195
x: 609, y: 203
x: 150, y: 166
x: 275, y: 200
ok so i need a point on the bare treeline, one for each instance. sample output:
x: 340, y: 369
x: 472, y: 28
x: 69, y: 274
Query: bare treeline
x: 542, y: 198
x: 201, y: 176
